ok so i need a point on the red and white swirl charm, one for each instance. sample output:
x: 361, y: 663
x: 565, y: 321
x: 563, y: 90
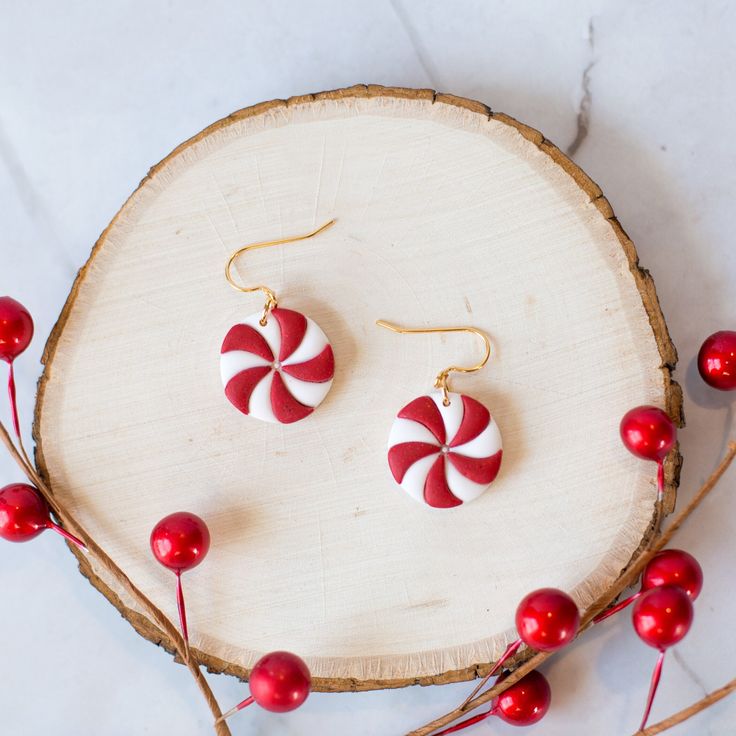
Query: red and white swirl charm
x: 277, y: 372
x: 444, y: 456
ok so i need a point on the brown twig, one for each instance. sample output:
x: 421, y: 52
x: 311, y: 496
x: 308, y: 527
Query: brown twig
x: 602, y: 602
x: 102, y: 558
x: 690, y: 711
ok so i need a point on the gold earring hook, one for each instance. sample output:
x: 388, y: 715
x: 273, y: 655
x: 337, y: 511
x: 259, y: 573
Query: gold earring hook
x: 271, y: 301
x: 442, y: 376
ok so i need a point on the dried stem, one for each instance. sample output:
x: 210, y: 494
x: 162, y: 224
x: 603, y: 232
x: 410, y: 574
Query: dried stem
x: 102, y: 558
x: 690, y: 711
x: 624, y: 580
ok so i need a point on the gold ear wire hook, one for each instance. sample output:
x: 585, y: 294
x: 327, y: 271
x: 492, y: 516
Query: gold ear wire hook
x: 271, y: 301
x: 442, y: 376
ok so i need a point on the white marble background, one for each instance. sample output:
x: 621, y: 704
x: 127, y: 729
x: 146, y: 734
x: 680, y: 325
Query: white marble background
x: 642, y: 94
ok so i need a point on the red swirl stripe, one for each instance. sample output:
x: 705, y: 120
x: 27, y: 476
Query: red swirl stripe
x: 402, y: 456
x: 293, y: 326
x: 475, y: 419
x: 436, y: 491
x: 479, y: 470
x: 247, y: 339
x: 240, y: 387
x: 425, y: 411
x: 285, y: 407
x: 319, y: 369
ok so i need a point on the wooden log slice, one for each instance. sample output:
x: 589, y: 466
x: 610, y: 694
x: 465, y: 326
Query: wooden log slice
x: 447, y: 213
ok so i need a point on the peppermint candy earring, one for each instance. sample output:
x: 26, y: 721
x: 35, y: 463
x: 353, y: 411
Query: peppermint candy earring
x: 444, y: 448
x: 278, y: 369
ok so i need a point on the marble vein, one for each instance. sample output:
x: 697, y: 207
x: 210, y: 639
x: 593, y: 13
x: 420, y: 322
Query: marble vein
x: 586, y: 98
x: 421, y: 53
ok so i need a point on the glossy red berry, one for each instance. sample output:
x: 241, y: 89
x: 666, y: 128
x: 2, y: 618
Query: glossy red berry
x: 526, y: 701
x: 547, y: 619
x: 717, y: 360
x: 23, y: 513
x: 674, y: 567
x: 662, y: 616
x: 648, y: 432
x: 280, y: 682
x: 16, y: 328
x: 180, y: 541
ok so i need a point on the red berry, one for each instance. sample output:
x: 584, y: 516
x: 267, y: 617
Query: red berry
x: 16, y: 328
x: 674, y: 567
x: 525, y: 702
x: 648, y: 432
x: 547, y: 619
x: 662, y: 616
x: 180, y: 541
x: 280, y: 682
x: 23, y: 513
x: 717, y: 360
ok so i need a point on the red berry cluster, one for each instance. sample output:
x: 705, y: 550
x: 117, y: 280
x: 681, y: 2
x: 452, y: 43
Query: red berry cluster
x: 548, y: 619
x: 24, y: 513
x: 663, y: 610
x: 279, y: 681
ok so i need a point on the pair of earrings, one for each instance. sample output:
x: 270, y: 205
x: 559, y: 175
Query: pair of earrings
x: 444, y: 448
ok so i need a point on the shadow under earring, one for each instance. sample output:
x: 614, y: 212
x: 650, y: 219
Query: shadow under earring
x: 444, y: 448
x: 276, y: 365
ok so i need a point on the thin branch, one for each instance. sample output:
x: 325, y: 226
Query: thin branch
x: 690, y: 711
x: 601, y: 603
x: 102, y: 558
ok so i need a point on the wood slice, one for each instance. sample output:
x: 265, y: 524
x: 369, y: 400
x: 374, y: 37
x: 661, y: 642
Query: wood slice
x: 446, y: 213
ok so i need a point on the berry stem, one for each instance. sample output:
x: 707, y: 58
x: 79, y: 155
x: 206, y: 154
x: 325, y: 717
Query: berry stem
x: 691, y: 710
x: 615, y: 609
x: 653, y: 688
x: 182, y: 611
x: 511, y: 649
x: 660, y: 479
x: 467, y: 722
x: 13, y: 400
x: 244, y: 704
x: 64, y: 533
x: 16, y: 422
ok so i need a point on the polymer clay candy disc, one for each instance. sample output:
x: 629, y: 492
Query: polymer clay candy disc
x: 444, y: 455
x: 277, y: 372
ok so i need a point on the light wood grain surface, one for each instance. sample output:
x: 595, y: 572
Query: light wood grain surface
x: 446, y: 214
